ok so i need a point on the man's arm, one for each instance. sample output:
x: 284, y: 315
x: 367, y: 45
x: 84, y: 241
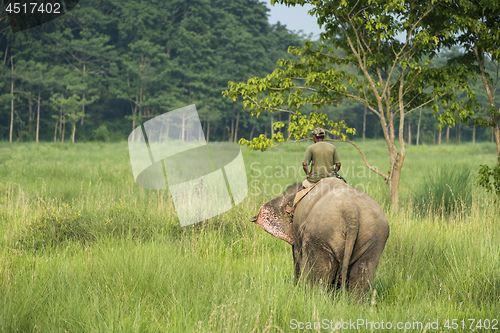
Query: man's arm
x: 336, y: 158
x: 306, y: 161
x: 305, y: 168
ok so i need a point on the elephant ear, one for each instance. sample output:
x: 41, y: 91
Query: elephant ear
x: 274, y: 219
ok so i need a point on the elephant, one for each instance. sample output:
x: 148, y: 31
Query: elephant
x: 336, y: 231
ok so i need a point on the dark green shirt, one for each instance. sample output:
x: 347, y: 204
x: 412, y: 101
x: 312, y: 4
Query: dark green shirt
x: 323, y: 156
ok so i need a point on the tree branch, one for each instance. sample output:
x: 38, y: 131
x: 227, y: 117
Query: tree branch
x: 289, y: 141
x: 281, y: 89
x: 372, y: 168
x: 265, y: 107
x: 420, y: 106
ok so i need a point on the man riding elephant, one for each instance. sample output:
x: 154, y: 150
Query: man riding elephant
x: 337, y: 232
x: 322, y: 156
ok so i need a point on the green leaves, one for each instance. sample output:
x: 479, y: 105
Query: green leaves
x: 489, y: 178
x: 262, y: 142
x: 299, y: 88
x: 358, y: 59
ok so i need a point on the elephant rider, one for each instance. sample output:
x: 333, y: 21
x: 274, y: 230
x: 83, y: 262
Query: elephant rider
x: 322, y: 156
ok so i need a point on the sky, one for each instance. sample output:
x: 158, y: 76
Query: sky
x: 295, y: 18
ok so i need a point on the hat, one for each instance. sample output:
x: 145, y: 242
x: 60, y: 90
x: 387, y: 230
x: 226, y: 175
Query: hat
x: 318, y: 131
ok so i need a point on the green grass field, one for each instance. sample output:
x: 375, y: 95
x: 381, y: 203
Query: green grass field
x: 84, y: 249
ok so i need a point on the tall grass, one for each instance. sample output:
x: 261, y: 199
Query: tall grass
x: 444, y: 190
x: 82, y: 249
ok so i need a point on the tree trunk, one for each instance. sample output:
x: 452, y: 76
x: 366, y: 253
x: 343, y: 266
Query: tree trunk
x: 83, y: 105
x: 55, y: 131
x: 480, y: 56
x: 73, y: 129
x: 409, y: 134
x: 30, y: 115
x: 439, y: 137
x: 497, y: 139
x: 63, y: 130
x: 5, y: 56
x: 83, y: 110
x: 418, y: 127
x: 393, y: 183
x: 134, y: 112
x: 11, y: 101
x: 60, y: 122
x: 139, y: 108
x: 236, y: 127
x: 272, y: 127
x: 208, y: 132
x: 447, y: 134
x: 474, y: 134
x: 38, y: 118
x: 231, y: 133
x: 364, y: 124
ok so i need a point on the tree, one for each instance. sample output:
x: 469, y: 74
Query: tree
x: 69, y: 101
x: 35, y: 79
x: 475, y: 29
x: 392, y: 77
x: 68, y: 108
x: 86, y: 53
x: 142, y: 76
x: 139, y: 59
x: 83, y: 43
x: 141, y: 65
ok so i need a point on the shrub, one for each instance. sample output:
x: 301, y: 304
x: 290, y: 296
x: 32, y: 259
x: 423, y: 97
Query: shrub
x: 101, y: 133
x: 55, y: 226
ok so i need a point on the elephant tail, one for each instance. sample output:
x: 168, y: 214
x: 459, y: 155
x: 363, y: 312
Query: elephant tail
x: 352, y: 224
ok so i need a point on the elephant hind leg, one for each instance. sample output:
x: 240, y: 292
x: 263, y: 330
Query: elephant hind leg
x: 361, y: 275
x: 320, y: 267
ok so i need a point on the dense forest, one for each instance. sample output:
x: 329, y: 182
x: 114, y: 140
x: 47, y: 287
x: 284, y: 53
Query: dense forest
x: 107, y: 66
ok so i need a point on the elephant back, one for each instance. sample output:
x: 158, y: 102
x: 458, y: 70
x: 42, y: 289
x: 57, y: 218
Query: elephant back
x: 330, y: 201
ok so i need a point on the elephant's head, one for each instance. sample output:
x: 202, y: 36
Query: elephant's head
x: 274, y: 216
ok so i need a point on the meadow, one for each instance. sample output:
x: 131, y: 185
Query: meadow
x: 84, y: 249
